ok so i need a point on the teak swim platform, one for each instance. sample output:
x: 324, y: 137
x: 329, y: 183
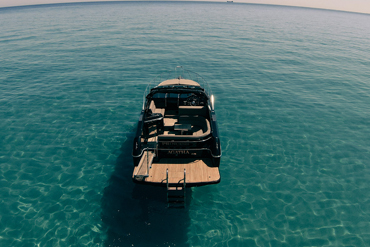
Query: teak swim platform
x: 177, y: 141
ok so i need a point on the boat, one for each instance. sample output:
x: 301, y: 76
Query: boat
x: 177, y: 141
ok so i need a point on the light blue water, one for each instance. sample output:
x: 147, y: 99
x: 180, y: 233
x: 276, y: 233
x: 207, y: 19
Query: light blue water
x: 292, y: 93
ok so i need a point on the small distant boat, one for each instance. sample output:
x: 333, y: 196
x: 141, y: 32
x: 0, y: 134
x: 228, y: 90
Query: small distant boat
x: 177, y: 141
x: 230, y: 1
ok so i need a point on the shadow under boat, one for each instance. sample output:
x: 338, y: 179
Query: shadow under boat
x: 137, y: 215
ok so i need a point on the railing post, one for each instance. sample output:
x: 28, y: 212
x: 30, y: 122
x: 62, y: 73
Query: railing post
x: 184, y: 191
x: 168, y: 203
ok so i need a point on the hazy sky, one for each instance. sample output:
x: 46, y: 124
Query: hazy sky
x: 362, y: 6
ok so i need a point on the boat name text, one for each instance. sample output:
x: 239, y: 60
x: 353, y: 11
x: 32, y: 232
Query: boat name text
x: 175, y: 143
x: 178, y: 152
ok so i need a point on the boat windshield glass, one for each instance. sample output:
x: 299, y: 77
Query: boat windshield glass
x: 162, y: 100
x: 159, y: 96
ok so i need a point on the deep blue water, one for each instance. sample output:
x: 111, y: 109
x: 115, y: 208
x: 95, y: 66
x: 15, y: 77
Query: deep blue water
x: 292, y: 90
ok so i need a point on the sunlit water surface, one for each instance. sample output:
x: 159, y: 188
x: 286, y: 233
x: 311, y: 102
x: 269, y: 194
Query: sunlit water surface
x: 292, y: 97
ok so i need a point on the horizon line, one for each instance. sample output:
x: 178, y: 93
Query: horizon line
x: 190, y: 1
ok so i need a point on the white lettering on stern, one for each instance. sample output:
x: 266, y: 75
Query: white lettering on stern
x: 178, y: 152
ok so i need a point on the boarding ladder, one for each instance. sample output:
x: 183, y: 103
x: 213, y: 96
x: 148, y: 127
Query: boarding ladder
x: 147, y: 158
x: 176, y: 194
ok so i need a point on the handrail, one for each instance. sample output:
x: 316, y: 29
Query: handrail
x: 147, y: 160
x: 184, y: 187
x: 167, y: 179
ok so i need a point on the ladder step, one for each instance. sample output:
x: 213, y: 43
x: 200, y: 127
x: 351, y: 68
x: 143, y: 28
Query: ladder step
x: 175, y: 196
x: 177, y: 201
x: 178, y: 188
x: 177, y: 205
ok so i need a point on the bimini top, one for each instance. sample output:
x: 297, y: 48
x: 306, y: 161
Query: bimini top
x: 179, y: 81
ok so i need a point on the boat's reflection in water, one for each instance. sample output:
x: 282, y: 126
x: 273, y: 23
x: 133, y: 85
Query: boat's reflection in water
x: 137, y: 215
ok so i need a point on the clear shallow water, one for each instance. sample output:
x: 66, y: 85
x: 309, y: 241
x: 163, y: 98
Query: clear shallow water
x: 292, y: 100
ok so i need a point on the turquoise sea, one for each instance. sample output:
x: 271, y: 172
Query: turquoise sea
x: 292, y: 91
